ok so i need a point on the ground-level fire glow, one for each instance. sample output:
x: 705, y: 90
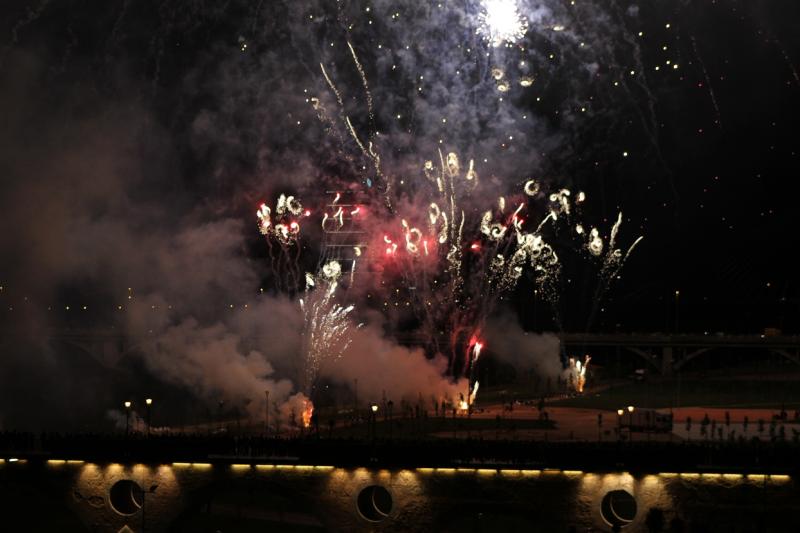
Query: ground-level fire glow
x: 308, y: 413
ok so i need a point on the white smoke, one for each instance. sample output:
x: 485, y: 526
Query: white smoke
x: 382, y: 365
x: 522, y: 349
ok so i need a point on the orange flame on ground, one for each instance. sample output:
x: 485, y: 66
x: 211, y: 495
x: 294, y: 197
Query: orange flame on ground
x: 308, y: 412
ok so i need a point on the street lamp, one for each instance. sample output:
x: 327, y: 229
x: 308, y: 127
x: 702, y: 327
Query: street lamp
x: 677, y: 311
x: 630, y: 419
x: 127, y: 417
x: 374, y: 407
x: 390, y: 405
x: 266, y: 414
x: 619, y: 423
x: 599, y: 427
x: 149, y: 403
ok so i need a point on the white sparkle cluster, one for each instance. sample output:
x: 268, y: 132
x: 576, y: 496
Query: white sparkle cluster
x: 501, y: 22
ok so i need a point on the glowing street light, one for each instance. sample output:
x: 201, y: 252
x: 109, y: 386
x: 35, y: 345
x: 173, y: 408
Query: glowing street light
x: 127, y: 417
x: 630, y: 421
x: 148, y: 402
x: 374, y: 408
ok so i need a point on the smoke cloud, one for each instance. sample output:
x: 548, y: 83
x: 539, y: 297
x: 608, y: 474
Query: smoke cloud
x: 137, y: 145
x: 522, y: 349
x: 381, y: 366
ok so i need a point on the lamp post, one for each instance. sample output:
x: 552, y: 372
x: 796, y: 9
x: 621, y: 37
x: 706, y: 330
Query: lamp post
x: 677, y: 311
x: 149, y: 403
x: 599, y: 427
x: 127, y: 417
x: 374, y: 408
x: 266, y: 414
x: 390, y: 405
x: 619, y: 423
x: 355, y: 397
x: 630, y: 421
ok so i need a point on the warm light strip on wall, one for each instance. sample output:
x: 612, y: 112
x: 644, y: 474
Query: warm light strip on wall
x: 490, y: 471
x: 726, y: 475
x: 777, y: 478
x: 58, y: 462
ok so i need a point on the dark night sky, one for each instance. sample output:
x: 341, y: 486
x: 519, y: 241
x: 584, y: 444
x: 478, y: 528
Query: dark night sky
x: 136, y: 139
x: 709, y: 179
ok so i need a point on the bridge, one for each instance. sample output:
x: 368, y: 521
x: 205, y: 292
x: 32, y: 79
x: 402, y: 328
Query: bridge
x: 663, y: 353
x: 670, y: 353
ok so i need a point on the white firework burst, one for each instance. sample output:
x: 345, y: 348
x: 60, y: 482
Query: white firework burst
x: 501, y: 22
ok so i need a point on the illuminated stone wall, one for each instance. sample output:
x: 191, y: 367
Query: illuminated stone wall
x: 202, y: 497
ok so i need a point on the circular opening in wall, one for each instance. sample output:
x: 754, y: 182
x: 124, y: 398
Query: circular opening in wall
x: 618, y: 508
x: 374, y: 503
x: 125, y: 497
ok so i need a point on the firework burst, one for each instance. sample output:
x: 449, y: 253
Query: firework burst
x: 501, y: 22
